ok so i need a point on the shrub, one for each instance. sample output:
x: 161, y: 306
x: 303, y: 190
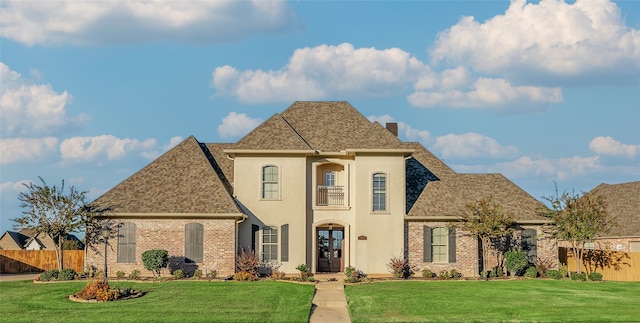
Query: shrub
x: 564, y: 270
x: 135, y: 274
x: 120, y: 274
x: 596, y: 277
x: 531, y: 272
x: 67, y: 274
x: 244, y: 276
x: 427, y: 273
x: 400, y: 267
x: 48, y: 275
x: 353, y: 275
x: 278, y: 275
x: 98, y: 290
x: 178, y: 274
x: 303, y: 269
x: 247, y: 262
x: 212, y: 274
x: 444, y: 274
x: 496, y: 272
x: 578, y: 276
x: 455, y: 274
x: 197, y: 274
x: 516, y: 261
x: 155, y: 260
x: 552, y: 273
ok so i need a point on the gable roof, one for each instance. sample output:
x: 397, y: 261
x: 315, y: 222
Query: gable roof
x: 622, y: 202
x: 16, y: 238
x: 321, y: 126
x: 183, y: 180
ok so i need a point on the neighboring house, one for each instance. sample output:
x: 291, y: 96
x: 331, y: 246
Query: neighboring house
x: 11, y: 240
x: 26, y: 240
x: 622, y: 202
x: 318, y: 184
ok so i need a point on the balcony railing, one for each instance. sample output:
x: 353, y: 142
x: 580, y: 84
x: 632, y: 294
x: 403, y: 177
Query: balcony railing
x: 330, y: 195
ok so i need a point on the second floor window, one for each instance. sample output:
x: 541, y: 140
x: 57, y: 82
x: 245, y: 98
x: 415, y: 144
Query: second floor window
x: 270, y: 182
x: 379, y: 192
x: 330, y: 178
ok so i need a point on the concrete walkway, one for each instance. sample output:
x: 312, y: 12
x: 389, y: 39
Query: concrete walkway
x: 17, y: 277
x: 329, y: 301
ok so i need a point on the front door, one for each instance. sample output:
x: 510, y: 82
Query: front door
x: 330, y: 244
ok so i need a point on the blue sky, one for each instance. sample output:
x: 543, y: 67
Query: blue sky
x: 544, y: 91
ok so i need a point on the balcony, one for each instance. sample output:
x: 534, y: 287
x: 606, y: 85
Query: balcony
x: 330, y: 195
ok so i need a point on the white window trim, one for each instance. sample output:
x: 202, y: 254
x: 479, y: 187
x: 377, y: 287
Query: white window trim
x: 277, y: 243
x: 386, y: 193
x: 446, y: 245
x: 260, y: 190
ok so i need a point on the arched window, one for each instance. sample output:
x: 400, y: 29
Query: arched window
x: 379, y: 189
x: 270, y: 189
x: 193, y: 242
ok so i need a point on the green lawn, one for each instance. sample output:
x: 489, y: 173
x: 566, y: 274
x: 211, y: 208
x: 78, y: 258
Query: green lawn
x: 180, y: 301
x: 494, y: 301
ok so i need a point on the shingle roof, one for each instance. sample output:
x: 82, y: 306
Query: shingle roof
x: 273, y: 134
x: 19, y: 238
x: 622, y: 202
x: 183, y: 180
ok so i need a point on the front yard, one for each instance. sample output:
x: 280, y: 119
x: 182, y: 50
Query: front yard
x: 536, y: 300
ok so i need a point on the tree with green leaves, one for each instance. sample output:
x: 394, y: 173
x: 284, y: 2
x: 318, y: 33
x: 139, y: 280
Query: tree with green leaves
x: 52, y: 210
x: 576, y: 219
x: 486, y: 220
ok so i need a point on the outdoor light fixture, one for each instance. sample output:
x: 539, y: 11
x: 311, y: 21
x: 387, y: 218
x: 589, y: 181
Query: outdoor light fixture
x: 330, y: 226
x: 105, y: 233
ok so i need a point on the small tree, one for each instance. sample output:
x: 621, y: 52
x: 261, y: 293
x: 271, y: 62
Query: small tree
x: 577, y: 219
x: 487, y: 221
x: 155, y: 260
x: 53, y: 211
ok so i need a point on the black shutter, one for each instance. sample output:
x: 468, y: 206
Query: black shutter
x: 284, y: 243
x: 452, y: 245
x: 426, y: 244
x: 255, y: 238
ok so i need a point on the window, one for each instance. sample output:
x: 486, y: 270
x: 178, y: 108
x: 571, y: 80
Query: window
x: 193, y: 241
x: 330, y: 178
x: 127, y: 242
x: 439, y: 237
x: 379, y: 192
x: 439, y: 244
x: 269, y: 182
x: 269, y: 244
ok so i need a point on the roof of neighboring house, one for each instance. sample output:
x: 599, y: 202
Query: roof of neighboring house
x: 622, y: 202
x: 183, y: 180
x: 18, y: 238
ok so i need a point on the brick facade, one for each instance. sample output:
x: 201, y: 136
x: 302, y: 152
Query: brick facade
x: 218, y: 245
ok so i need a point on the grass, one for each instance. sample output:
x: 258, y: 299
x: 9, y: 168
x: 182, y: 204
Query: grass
x: 174, y: 301
x: 494, y: 301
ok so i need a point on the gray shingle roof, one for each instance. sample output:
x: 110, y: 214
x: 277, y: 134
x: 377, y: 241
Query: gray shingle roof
x: 622, y: 202
x: 182, y: 180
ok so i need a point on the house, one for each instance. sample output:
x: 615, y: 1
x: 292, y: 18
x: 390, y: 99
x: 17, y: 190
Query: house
x: 12, y: 240
x: 26, y: 239
x: 318, y: 184
x: 622, y: 202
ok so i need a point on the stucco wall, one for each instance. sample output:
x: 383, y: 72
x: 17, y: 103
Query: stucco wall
x: 169, y: 234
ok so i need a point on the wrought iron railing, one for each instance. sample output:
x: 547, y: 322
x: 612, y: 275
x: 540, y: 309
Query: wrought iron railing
x: 330, y: 195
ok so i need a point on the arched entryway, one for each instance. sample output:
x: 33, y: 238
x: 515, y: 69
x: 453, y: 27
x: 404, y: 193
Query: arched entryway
x: 330, y: 248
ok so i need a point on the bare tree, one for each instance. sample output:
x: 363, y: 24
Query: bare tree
x: 52, y: 211
x: 487, y: 221
x: 577, y: 219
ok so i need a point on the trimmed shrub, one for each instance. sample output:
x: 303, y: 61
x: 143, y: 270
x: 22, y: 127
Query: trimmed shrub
x: 552, y: 273
x: 444, y: 274
x: 120, y: 274
x: 427, y: 273
x: 531, y: 272
x: 496, y: 272
x: 197, y: 274
x: 454, y: 273
x: 178, y: 274
x: 400, y: 267
x: 48, y: 275
x: 594, y: 276
x: 516, y: 261
x: 564, y: 270
x: 67, y: 274
x: 155, y: 260
x: 578, y: 276
x: 135, y: 274
x: 98, y: 290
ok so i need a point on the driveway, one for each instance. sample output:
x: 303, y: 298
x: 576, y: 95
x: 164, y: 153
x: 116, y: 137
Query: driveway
x: 16, y: 277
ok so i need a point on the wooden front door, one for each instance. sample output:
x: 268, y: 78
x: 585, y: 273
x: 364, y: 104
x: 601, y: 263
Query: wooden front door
x: 330, y: 244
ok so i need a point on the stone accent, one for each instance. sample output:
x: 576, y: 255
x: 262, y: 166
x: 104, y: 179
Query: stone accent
x: 218, y: 245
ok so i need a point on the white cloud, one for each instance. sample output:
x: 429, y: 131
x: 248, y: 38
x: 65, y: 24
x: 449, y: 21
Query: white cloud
x: 14, y: 150
x: 472, y: 145
x: 560, y: 168
x: 7, y: 188
x: 236, y: 125
x: 550, y: 39
x: 321, y: 72
x: 404, y: 129
x: 611, y: 147
x: 108, y: 147
x: 104, y: 22
x: 496, y: 94
x: 33, y: 109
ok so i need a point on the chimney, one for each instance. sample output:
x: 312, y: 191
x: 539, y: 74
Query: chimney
x: 393, y: 127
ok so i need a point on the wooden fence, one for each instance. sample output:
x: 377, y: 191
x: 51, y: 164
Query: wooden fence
x: 30, y: 261
x: 613, y: 265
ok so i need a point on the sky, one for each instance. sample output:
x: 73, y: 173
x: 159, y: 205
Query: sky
x: 545, y: 92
